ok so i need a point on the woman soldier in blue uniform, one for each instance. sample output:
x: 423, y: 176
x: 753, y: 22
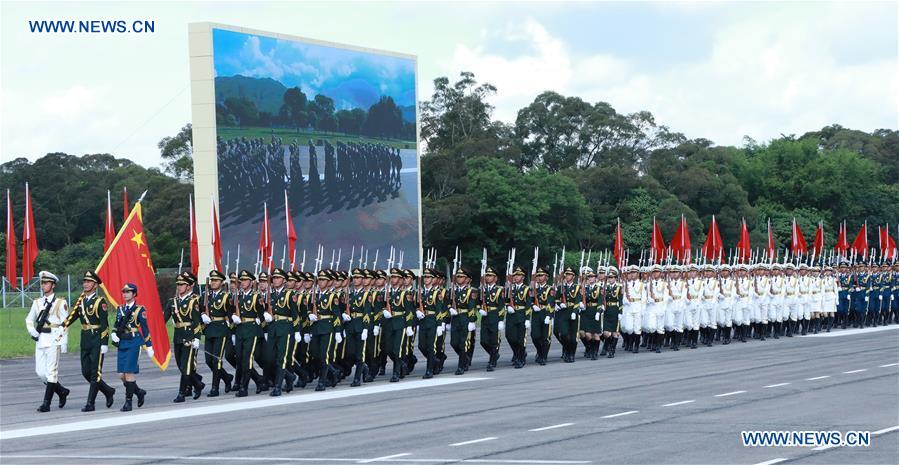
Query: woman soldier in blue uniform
x: 131, y: 332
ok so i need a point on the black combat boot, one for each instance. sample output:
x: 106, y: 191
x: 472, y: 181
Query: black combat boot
x: 397, y: 370
x: 182, y: 386
x: 429, y: 369
x: 227, y: 378
x: 357, y: 376
x: 612, y: 343
x: 605, y: 347
x: 91, y: 397
x: 129, y: 393
x: 62, y: 393
x: 48, y: 397
x: 140, y: 393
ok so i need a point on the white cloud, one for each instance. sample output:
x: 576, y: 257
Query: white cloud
x: 74, y: 102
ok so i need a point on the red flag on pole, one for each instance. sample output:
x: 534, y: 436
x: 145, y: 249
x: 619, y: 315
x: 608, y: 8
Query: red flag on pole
x: 657, y: 243
x: 10, y: 244
x: 798, y: 246
x: 860, y: 244
x: 127, y: 208
x: 109, y: 229
x: 680, y: 243
x: 818, y: 246
x: 29, y: 239
x: 619, y: 245
x: 713, y: 247
x: 744, y: 250
x: 842, y: 245
x: 887, y: 245
x: 194, y: 241
x: 128, y: 261
x: 265, y: 240
x: 216, y: 240
x: 772, y: 248
x: 291, y: 234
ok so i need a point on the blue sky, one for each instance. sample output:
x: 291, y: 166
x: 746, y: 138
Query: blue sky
x: 354, y: 79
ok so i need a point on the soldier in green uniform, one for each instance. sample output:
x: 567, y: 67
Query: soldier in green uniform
x: 215, y: 307
x: 493, y: 311
x: 591, y: 324
x: 612, y: 312
x: 378, y: 304
x: 393, y: 323
x: 462, y: 318
x: 92, y: 312
x: 303, y: 296
x: 281, y: 313
x: 411, y: 322
x: 543, y: 307
x: 443, y: 319
x: 569, y: 303
x: 428, y: 313
x: 184, y: 310
x: 357, y: 328
x: 321, y: 346
x: 246, y: 317
x: 261, y: 355
x: 518, y: 317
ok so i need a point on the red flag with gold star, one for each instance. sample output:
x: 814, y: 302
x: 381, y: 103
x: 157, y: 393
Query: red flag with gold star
x: 128, y: 261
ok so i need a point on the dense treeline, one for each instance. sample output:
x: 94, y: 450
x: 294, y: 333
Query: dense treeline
x: 560, y: 175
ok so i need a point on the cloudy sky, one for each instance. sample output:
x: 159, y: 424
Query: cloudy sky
x: 715, y: 70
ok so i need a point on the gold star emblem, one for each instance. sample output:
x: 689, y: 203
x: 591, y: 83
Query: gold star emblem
x: 138, y: 239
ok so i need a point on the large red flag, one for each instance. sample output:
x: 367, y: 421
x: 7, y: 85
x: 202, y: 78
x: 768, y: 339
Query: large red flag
x: 10, y: 244
x: 265, y: 240
x: 772, y: 248
x: 860, y: 244
x: 798, y: 246
x: 887, y: 245
x: 680, y: 243
x: 713, y: 247
x: 818, y: 246
x: 29, y: 239
x: 842, y: 245
x: 128, y: 261
x: 126, y: 209
x: 194, y: 242
x: 744, y: 250
x: 291, y: 234
x: 216, y: 240
x: 619, y: 245
x: 109, y: 229
x: 657, y: 243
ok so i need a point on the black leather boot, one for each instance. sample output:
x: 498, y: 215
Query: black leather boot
x: 62, y: 393
x: 48, y: 397
x: 91, y: 397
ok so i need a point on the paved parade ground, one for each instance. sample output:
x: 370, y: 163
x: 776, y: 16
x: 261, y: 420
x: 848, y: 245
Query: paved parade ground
x: 685, y: 407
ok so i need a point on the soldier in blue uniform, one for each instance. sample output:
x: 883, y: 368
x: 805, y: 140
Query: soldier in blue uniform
x: 885, y: 292
x: 861, y: 287
x: 184, y: 310
x: 131, y: 333
x: 844, y: 296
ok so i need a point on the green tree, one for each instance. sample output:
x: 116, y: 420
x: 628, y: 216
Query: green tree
x: 177, y: 154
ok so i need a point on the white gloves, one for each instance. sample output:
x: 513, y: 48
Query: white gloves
x: 420, y: 315
x: 345, y: 317
x: 297, y: 336
x: 376, y: 330
x: 265, y: 336
x: 482, y: 312
x: 596, y: 317
x: 471, y: 327
x: 448, y: 327
x: 33, y: 332
x: 573, y: 316
x: 364, y: 334
x: 510, y: 309
x: 581, y: 306
x: 313, y: 317
x: 257, y: 321
x: 386, y: 314
x: 150, y: 352
x: 64, y: 348
x: 235, y: 319
x: 338, y: 337
x: 453, y: 311
x: 195, y: 343
x: 502, y: 326
x: 536, y: 308
x: 104, y: 348
x: 114, y: 337
x: 205, y: 318
x: 866, y: 298
x: 307, y: 338
x: 563, y: 305
x: 440, y: 331
x: 409, y: 331
x: 547, y: 320
x: 233, y: 339
x: 267, y: 317
x: 527, y: 324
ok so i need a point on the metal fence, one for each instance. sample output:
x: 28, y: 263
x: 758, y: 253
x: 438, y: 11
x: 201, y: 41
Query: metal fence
x: 24, y: 293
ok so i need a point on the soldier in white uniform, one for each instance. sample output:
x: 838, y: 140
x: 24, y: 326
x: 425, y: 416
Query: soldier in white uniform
x: 778, y: 294
x: 743, y: 303
x: 693, y: 305
x: 762, y: 297
x: 708, y: 320
x: 830, y: 289
x: 726, y: 300
x: 44, y: 323
x: 792, y: 300
x: 674, y: 311
x: 655, y: 309
x: 634, y: 301
x: 807, y: 300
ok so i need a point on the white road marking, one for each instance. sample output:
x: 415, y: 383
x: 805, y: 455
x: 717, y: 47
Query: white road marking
x: 678, y: 403
x: 853, y: 332
x: 886, y: 430
x: 287, y: 459
x: 621, y: 414
x: 817, y: 378
x: 771, y: 462
x: 384, y: 458
x: 889, y: 365
x: 560, y: 425
x: 776, y: 385
x: 854, y: 371
x: 473, y: 441
x: 233, y: 406
x: 729, y: 394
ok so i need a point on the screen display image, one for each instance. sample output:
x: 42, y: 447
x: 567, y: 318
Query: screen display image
x: 330, y: 130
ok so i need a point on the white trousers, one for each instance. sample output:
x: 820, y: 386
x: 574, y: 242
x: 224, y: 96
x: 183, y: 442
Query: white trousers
x: 707, y: 315
x: 691, y: 315
x: 632, y: 322
x: 674, y: 317
x: 46, y: 363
